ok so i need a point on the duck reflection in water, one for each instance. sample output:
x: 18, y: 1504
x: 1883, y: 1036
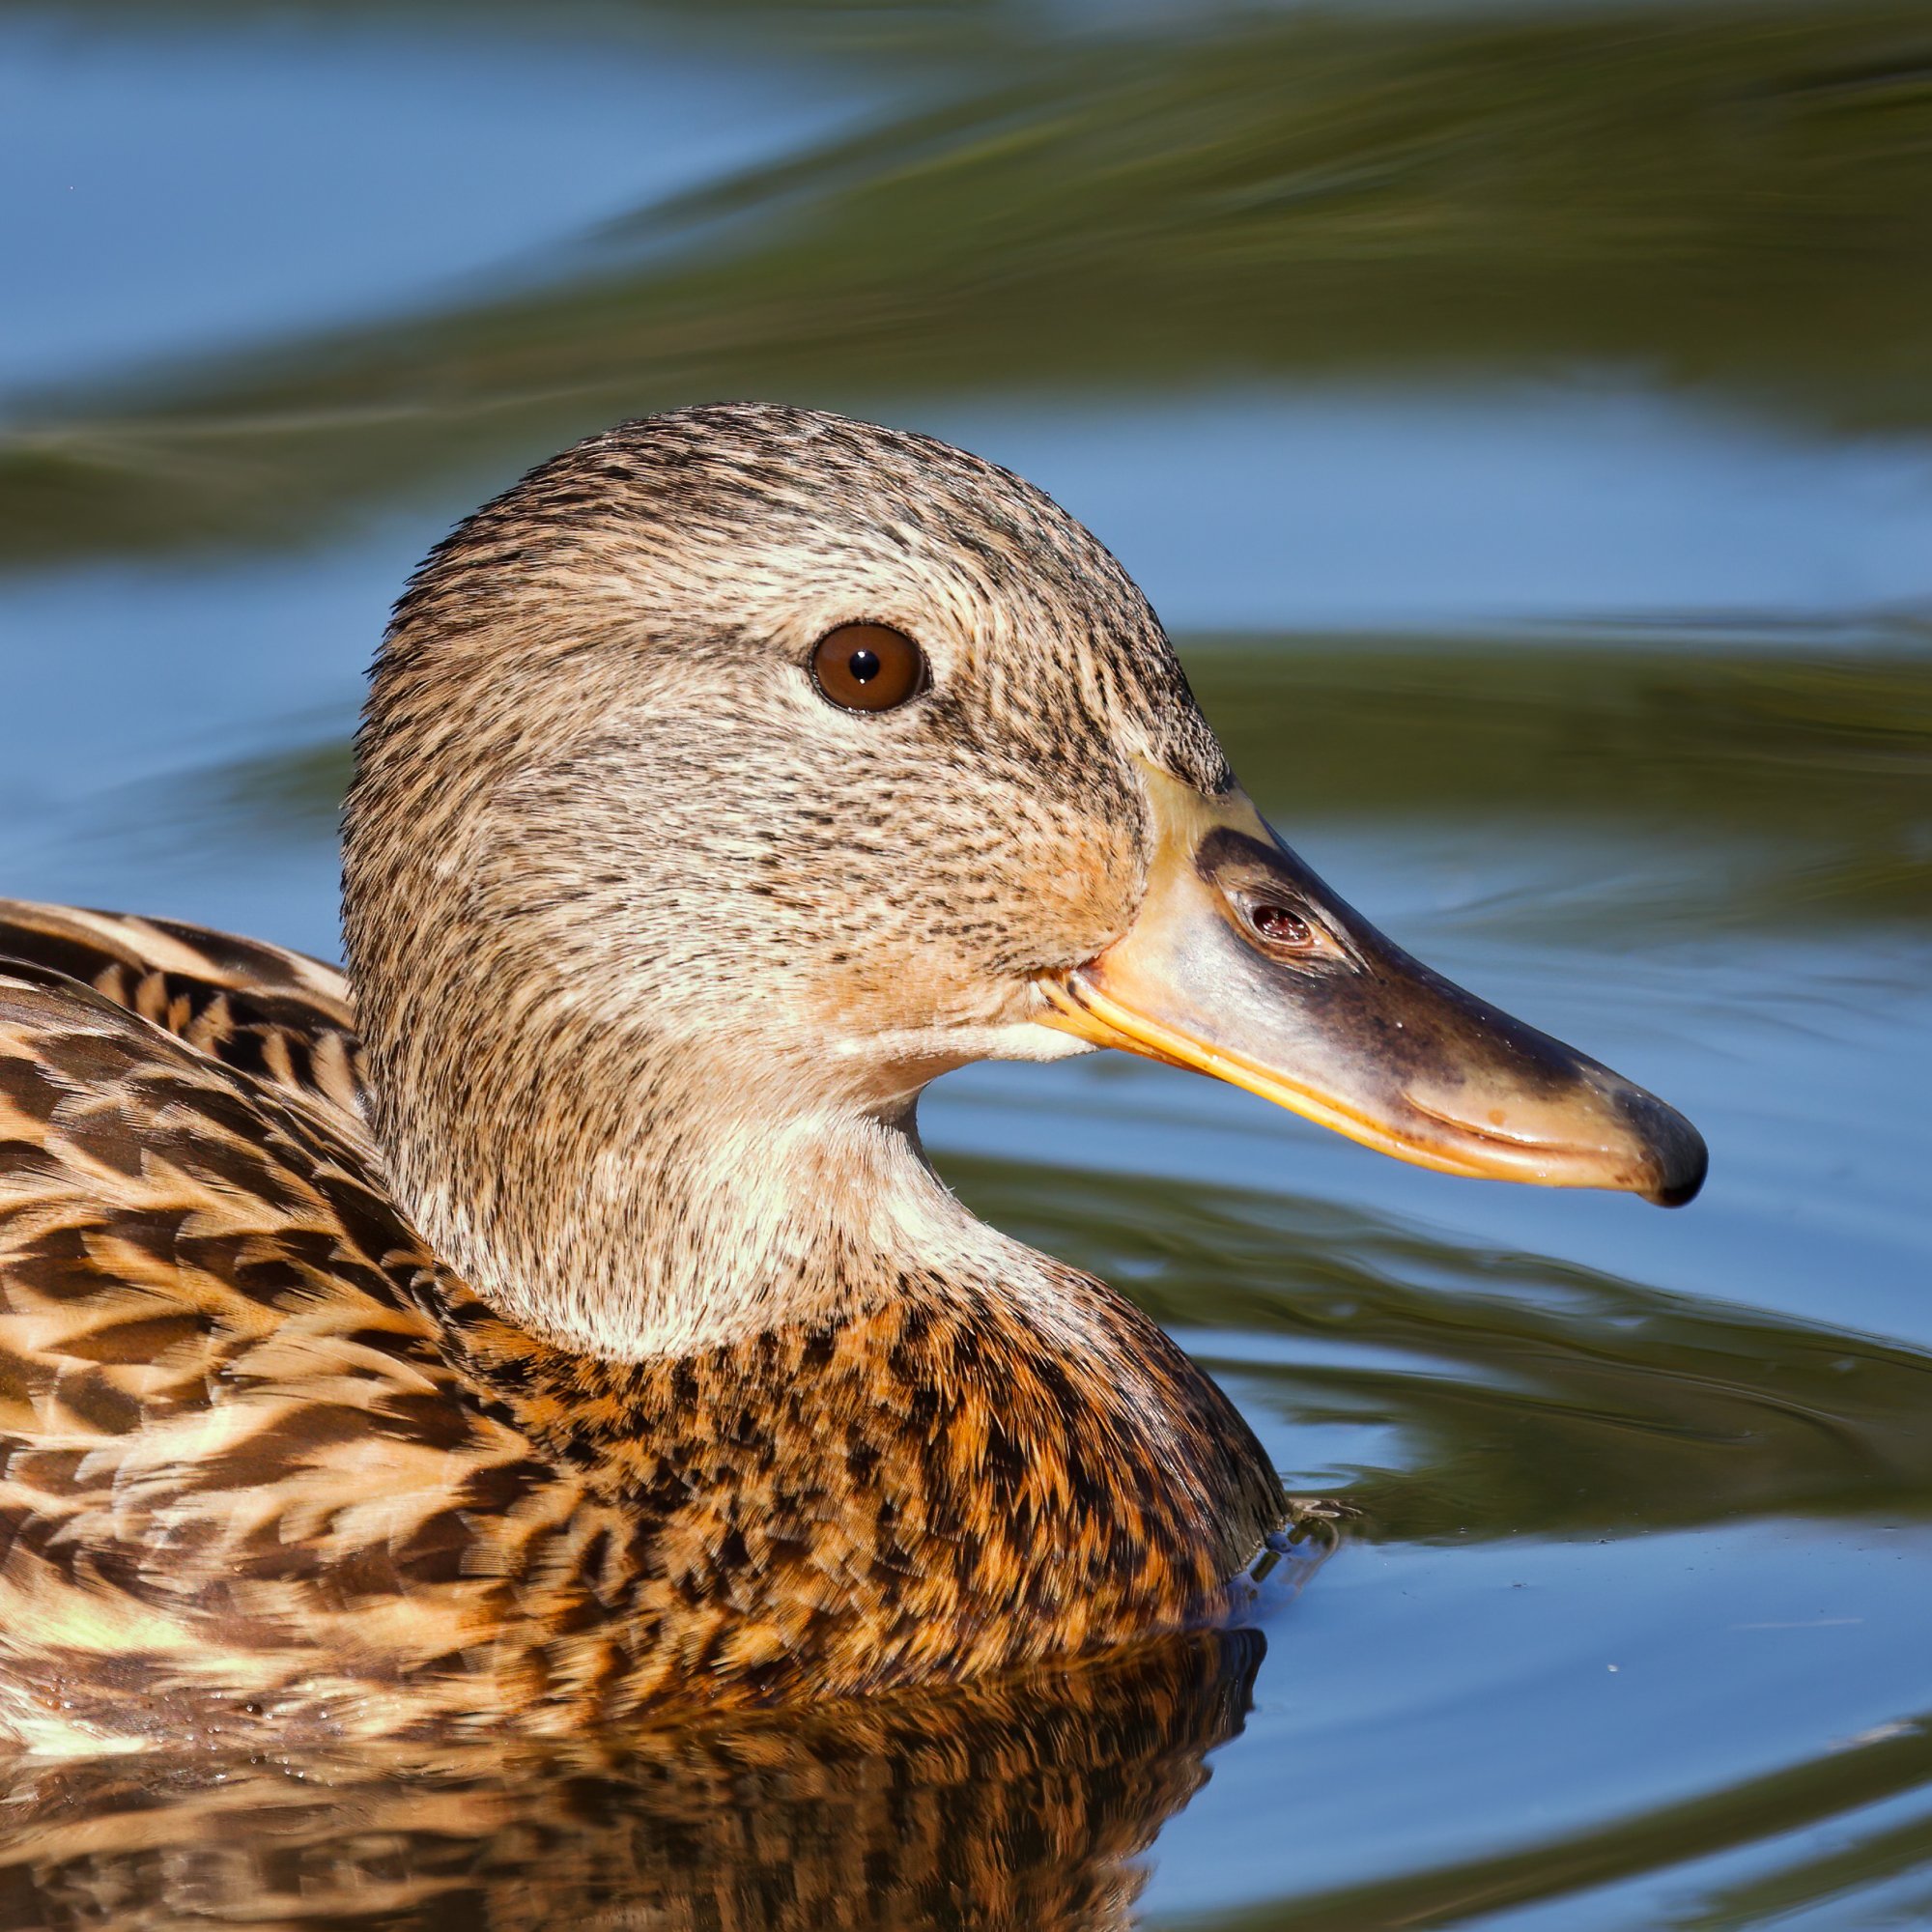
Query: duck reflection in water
x: 1021, y: 1802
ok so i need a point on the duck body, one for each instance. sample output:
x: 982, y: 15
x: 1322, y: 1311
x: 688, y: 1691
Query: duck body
x: 268, y: 1469
x: 565, y: 1324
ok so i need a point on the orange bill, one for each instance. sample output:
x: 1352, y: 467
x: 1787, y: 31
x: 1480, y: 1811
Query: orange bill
x: 1244, y: 965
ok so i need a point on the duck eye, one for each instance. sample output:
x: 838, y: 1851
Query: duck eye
x: 868, y: 668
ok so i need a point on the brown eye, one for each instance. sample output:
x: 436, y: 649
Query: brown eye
x: 869, y: 668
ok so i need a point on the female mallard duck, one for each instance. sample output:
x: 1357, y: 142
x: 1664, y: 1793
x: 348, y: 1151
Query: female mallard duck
x: 572, y: 1325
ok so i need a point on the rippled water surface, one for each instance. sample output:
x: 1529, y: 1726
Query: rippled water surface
x: 1524, y: 420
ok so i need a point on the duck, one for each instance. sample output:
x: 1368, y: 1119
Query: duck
x: 551, y: 1319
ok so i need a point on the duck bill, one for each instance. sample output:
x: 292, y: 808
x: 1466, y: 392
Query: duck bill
x: 1244, y: 965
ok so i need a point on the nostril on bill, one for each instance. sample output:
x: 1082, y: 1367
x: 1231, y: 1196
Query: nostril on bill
x: 1279, y: 926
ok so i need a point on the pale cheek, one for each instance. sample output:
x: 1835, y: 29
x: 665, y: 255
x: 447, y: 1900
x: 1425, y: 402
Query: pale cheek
x: 1082, y: 896
x: 906, y: 985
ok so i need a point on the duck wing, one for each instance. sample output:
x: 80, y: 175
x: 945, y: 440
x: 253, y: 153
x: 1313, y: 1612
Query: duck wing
x: 237, y: 1471
x: 277, y: 1015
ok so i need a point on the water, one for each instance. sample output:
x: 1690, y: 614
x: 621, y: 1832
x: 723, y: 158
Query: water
x: 1524, y: 420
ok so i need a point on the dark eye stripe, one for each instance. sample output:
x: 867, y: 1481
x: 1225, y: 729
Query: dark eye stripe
x: 868, y: 668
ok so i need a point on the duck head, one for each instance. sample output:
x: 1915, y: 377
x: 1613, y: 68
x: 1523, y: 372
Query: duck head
x: 744, y: 768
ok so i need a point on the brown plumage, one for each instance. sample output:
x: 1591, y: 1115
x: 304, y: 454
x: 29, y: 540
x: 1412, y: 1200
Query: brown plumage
x: 605, y: 1343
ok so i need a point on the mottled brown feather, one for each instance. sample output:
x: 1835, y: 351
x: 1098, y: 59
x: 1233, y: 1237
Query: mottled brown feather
x: 267, y: 1466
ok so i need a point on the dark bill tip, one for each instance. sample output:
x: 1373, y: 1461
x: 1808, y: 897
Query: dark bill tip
x: 1677, y: 1154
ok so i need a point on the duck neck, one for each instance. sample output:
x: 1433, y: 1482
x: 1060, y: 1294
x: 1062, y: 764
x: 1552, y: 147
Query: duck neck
x: 676, y: 1208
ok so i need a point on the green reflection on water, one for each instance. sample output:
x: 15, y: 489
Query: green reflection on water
x: 1531, y: 1398
x: 1759, y: 1812
x: 1739, y: 196
x: 1768, y: 782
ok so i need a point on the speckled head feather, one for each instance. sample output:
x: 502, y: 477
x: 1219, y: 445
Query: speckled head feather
x: 638, y: 920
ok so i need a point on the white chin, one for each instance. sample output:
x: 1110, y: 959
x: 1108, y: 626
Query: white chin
x: 1024, y: 1039
x: 933, y: 1052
